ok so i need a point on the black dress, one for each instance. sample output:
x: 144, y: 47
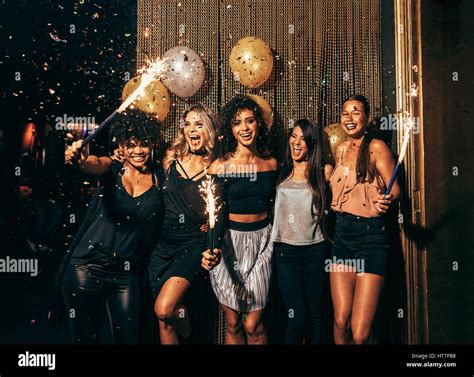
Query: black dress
x: 181, y: 242
x: 106, y: 257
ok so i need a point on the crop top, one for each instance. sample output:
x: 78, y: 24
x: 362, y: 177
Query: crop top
x: 244, y: 194
x: 250, y: 195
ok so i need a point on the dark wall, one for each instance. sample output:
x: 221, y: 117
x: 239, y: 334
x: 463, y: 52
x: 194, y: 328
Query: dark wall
x: 447, y: 35
x: 59, y: 59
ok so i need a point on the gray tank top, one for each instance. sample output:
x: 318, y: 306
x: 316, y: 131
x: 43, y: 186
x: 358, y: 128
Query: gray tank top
x: 294, y: 224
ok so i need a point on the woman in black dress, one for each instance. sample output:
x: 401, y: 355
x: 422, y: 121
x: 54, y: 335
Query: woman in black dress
x: 104, y: 261
x: 176, y: 259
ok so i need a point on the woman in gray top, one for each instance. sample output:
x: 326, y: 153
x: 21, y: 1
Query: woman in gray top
x: 299, y: 233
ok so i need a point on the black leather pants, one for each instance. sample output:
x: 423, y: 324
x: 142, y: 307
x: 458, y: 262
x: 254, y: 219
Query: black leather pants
x: 88, y: 289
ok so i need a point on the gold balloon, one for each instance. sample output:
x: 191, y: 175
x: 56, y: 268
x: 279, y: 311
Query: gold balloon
x: 155, y: 100
x: 267, y: 111
x: 251, y: 62
x: 336, y: 135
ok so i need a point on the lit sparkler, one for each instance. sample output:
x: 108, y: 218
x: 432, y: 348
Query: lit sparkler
x: 403, y: 151
x: 153, y: 71
x: 208, y: 193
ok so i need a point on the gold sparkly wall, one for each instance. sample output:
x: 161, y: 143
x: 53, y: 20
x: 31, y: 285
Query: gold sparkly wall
x: 324, y: 51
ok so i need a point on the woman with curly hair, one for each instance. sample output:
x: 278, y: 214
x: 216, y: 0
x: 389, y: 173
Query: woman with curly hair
x: 176, y: 259
x: 246, y: 175
x: 104, y: 262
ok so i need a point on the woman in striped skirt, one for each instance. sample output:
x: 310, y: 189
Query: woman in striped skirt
x: 246, y: 177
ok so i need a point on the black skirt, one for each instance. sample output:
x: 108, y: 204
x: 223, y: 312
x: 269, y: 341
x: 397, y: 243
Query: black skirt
x: 186, y: 264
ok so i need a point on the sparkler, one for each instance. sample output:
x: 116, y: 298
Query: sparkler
x: 153, y: 71
x: 403, y: 151
x: 208, y: 193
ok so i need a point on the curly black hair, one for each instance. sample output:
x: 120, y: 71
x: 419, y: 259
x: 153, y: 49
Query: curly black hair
x: 226, y: 144
x: 137, y: 126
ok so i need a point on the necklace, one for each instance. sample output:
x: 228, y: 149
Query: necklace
x: 141, y: 179
x: 136, y: 179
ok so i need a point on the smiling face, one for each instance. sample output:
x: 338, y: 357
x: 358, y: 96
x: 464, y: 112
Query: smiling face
x: 245, y: 127
x: 194, y: 131
x: 353, y: 118
x: 136, y: 153
x: 298, y: 147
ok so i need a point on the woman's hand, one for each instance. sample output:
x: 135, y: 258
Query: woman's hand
x: 118, y: 155
x: 209, y: 261
x: 72, y: 153
x: 382, y: 203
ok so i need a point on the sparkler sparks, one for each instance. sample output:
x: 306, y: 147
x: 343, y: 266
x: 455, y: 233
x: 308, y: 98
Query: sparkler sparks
x: 413, y: 90
x: 153, y: 71
x: 208, y: 193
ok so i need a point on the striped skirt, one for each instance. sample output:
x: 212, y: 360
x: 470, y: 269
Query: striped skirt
x: 242, y: 280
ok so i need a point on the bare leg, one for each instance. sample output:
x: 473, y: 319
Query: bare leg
x: 367, y: 292
x: 342, y: 294
x: 172, y: 315
x: 235, y: 333
x: 254, y: 328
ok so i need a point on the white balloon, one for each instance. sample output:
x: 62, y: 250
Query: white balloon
x: 185, y: 73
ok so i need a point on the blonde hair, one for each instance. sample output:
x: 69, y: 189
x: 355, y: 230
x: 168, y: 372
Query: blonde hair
x: 180, y: 147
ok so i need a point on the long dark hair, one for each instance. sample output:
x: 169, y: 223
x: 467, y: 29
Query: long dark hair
x: 226, y: 144
x: 364, y: 168
x: 314, y: 171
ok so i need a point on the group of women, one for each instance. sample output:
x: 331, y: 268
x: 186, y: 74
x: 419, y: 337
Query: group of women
x: 271, y: 224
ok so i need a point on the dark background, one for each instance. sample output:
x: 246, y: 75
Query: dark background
x: 86, y: 70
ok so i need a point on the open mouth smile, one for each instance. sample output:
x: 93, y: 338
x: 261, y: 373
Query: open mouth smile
x: 195, y: 139
x: 246, y: 135
x: 138, y: 158
x: 350, y: 126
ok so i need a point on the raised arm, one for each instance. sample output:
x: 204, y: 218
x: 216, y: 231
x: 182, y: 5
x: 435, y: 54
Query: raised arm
x: 86, y: 163
x: 167, y: 158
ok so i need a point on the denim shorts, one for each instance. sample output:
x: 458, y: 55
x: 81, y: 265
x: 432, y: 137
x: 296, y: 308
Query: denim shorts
x: 361, y: 242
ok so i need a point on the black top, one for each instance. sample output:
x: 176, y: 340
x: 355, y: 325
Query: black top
x: 244, y: 194
x: 118, y: 225
x: 251, y: 195
x: 184, y: 214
